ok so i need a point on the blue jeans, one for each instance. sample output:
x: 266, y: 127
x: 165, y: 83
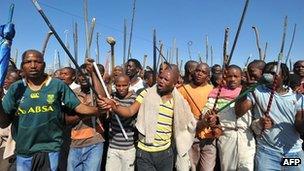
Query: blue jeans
x: 266, y: 159
x: 85, y: 158
x: 25, y: 163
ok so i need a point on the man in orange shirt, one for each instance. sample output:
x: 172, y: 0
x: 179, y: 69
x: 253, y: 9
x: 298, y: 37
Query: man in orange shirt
x: 202, y: 154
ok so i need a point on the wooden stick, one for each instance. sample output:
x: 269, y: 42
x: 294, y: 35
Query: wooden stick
x: 238, y: 32
x: 257, y: 38
x: 265, y: 50
x: 67, y: 46
x: 189, y: 50
x: 159, y: 60
x: 211, y: 51
x: 291, y: 43
x: 124, y: 42
x: 46, y: 40
x: 181, y: 65
x: 86, y: 22
x: 144, y: 61
x: 97, y: 48
x: 93, y: 23
x: 75, y: 40
x: 177, y: 60
x: 131, y: 31
x: 207, y: 50
x: 225, y: 47
x: 154, y: 57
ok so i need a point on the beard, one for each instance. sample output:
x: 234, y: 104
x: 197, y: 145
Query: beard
x: 164, y: 91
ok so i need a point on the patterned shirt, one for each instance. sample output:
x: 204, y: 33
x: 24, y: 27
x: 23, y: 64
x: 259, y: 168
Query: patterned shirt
x: 162, y: 139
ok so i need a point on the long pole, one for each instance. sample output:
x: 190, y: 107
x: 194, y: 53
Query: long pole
x: 131, y: 31
x: 46, y: 40
x: 238, y: 31
x: 265, y: 50
x: 124, y: 42
x: 75, y: 40
x: 278, y: 69
x: 144, y: 61
x: 225, y: 47
x: 257, y: 38
x: 86, y: 22
x: 189, y: 50
x: 207, y: 49
x: 154, y: 57
x: 66, y: 32
x: 293, y: 36
x: 211, y: 51
x: 159, y: 59
x: 177, y: 60
x: 97, y: 47
x: 91, y: 31
x: 111, y: 41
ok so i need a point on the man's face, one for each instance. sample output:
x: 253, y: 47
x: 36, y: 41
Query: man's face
x: 81, y: 80
x: 122, y: 86
x: 216, y: 70
x: 233, y: 78
x: 9, y: 79
x: 200, y: 75
x: 149, y: 80
x: 192, y: 68
x: 279, y: 78
x: 117, y: 71
x: 255, y: 73
x: 131, y: 69
x: 67, y: 76
x: 33, y: 65
x: 299, y: 69
x: 165, y: 82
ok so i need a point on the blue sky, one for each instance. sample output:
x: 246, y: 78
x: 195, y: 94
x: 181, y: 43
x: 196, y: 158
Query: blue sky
x: 184, y: 20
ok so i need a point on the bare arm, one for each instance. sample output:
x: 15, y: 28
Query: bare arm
x: 129, y: 111
x: 96, y: 82
x: 299, y: 121
x: 87, y: 110
x: 242, y: 106
x: 71, y: 119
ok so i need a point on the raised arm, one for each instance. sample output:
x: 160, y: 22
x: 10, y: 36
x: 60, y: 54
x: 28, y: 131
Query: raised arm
x: 96, y: 82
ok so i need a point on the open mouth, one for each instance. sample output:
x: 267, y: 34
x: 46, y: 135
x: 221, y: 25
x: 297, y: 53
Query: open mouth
x: 33, y: 72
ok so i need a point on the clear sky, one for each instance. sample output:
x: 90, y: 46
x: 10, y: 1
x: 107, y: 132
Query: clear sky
x: 183, y: 20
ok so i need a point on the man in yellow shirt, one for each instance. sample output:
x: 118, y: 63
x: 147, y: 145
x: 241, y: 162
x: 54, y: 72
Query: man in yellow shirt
x: 161, y: 109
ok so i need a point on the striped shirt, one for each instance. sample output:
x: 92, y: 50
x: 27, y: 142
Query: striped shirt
x: 162, y: 139
x: 116, y: 138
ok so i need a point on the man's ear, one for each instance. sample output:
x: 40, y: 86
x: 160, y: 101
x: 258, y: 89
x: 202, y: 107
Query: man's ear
x: 44, y: 65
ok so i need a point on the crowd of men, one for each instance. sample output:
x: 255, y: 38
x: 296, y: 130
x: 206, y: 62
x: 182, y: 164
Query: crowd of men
x: 211, y: 118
